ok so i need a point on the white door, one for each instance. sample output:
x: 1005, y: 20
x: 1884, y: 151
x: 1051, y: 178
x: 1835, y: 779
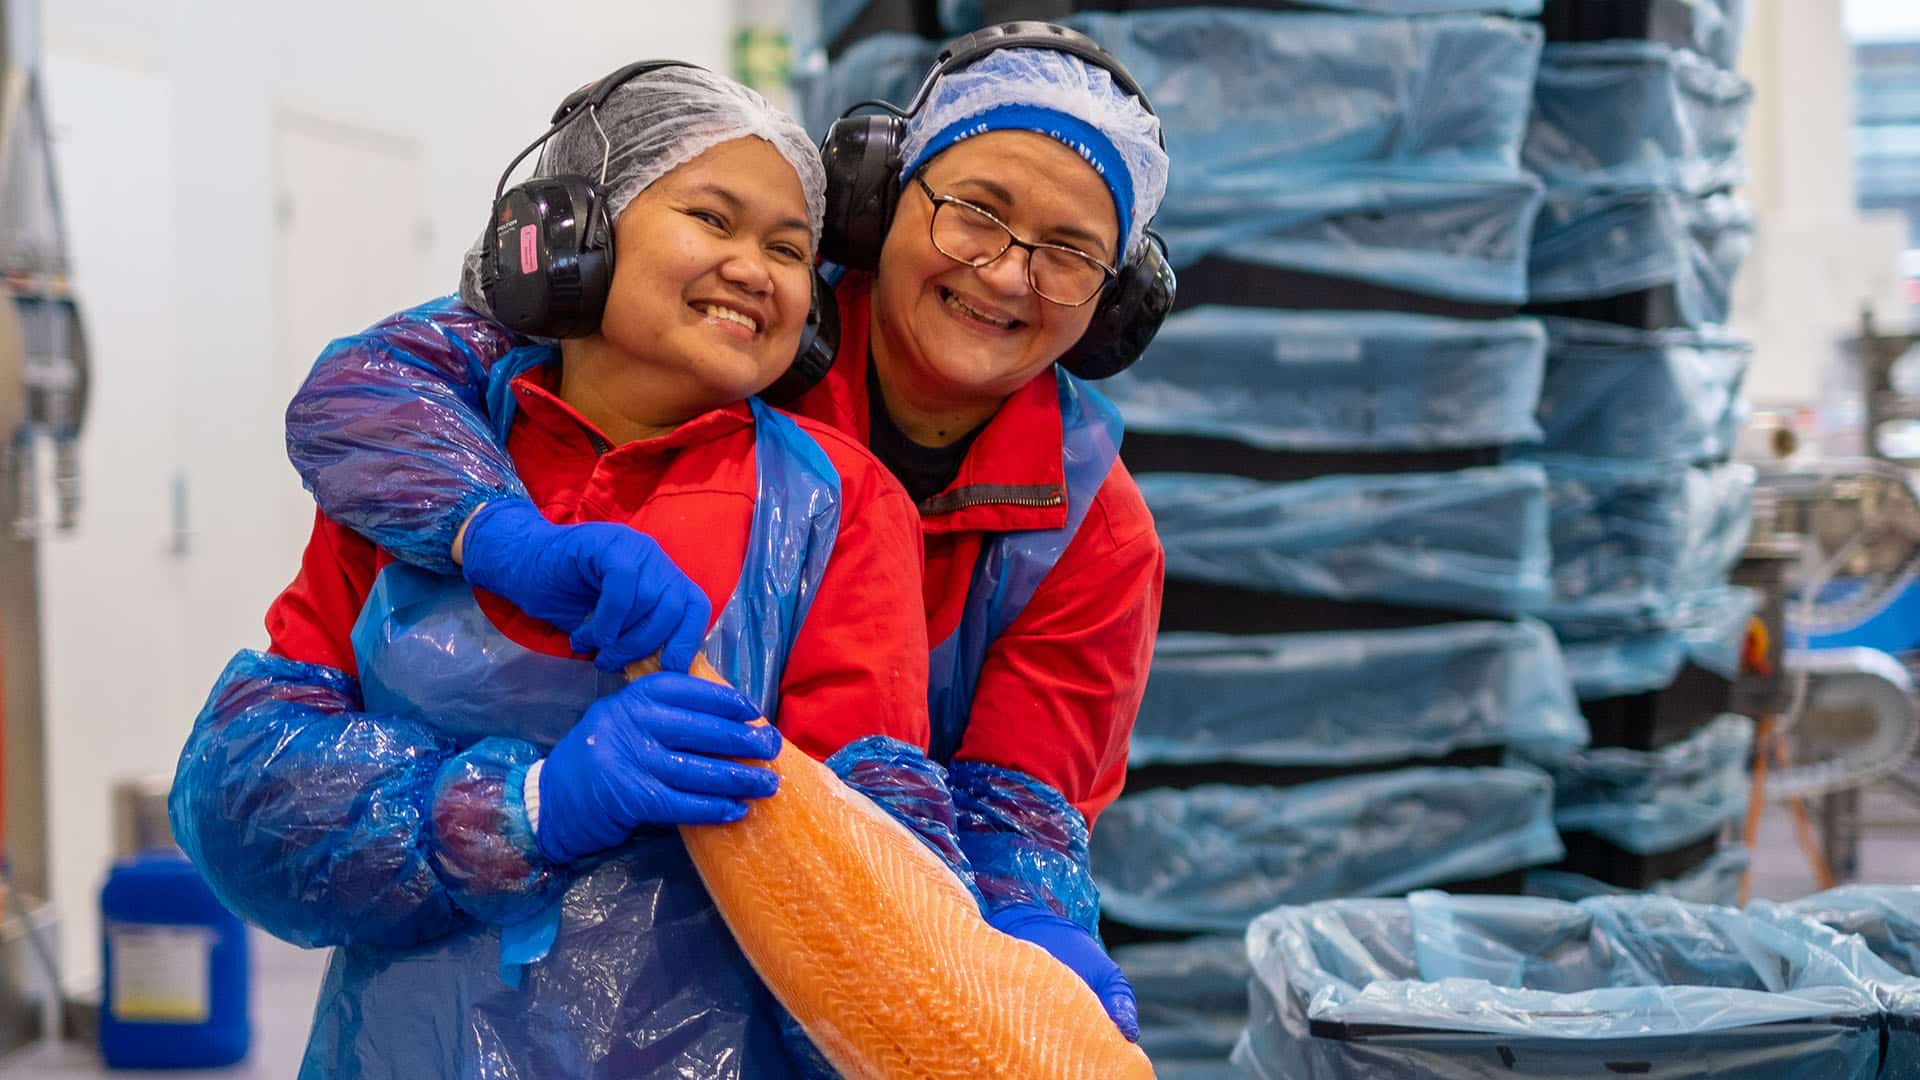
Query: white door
x: 350, y: 246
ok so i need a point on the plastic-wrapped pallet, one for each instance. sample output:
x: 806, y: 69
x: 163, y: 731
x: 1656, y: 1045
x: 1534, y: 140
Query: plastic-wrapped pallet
x: 1712, y: 28
x: 1670, y: 396
x: 1650, y: 801
x: 885, y: 67
x: 1591, y: 244
x: 1211, y: 858
x: 1305, y: 381
x: 1636, y: 115
x: 1716, y: 881
x: 1632, y: 542
x: 1712, y: 630
x: 1473, y: 540
x: 1355, y: 698
x: 1439, y: 986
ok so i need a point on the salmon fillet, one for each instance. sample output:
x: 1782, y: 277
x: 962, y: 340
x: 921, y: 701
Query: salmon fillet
x: 870, y: 941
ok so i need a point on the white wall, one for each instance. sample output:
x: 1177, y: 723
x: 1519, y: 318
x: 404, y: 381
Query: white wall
x: 1816, y: 259
x: 172, y: 247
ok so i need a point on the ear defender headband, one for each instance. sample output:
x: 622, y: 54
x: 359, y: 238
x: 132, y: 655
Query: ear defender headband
x: 548, y: 264
x: 863, y: 159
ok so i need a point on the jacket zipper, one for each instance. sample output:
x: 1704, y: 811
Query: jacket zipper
x: 963, y: 501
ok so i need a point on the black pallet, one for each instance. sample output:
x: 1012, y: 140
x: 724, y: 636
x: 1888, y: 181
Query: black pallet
x: 1242, y: 774
x: 1218, y: 280
x: 1604, y: 861
x: 1657, y: 718
x: 1147, y: 451
x: 1206, y: 607
x: 1657, y: 308
x: 1669, y: 22
x: 918, y: 17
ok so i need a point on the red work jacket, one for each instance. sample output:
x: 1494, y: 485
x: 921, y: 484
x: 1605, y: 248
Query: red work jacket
x: 1060, y: 688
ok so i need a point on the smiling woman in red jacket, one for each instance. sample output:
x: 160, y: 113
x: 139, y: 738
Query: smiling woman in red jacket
x: 994, y: 250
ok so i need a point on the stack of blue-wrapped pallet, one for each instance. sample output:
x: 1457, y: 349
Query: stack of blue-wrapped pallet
x: 1635, y: 134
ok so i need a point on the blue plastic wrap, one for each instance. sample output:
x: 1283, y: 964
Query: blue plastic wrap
x: 1300, y: 380
x: 1650, y: 801
x: 1635, y: 114
x: 1192, y: 994
x: 1211, y: 858
x: 1295, y: 99
x: 1633, y: 542
x: 1595, y: 244
x: 1886, y: 916
x: 420, y: 374
x: 1473, y: 540
x: 1712, y: 633
x: 1716, y: 881
x: 884, y: 67
x: 1459, y: 987
x: 328, y: 825
x: 1671, y: 396
x: 1712, y: 28
x: 1027, y: 845
x: 1355, y: 697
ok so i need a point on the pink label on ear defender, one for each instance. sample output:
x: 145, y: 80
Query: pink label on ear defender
x: 529, y: 248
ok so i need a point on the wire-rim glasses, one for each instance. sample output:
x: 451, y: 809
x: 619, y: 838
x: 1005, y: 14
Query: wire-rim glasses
x: 972, y: 236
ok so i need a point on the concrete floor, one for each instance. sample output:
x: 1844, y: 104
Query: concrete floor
x: 286, y: 979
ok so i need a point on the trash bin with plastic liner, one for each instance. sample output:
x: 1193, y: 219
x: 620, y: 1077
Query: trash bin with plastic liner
x: 1645, y: 395
x: 1471, y: 541
x: 1636, y: 114
x: 1355, y: 701
x: 1634, y: 542
x: 1443, y: 986
x: 1716, y: 881
x: 1213, y: 857
x: 1308, y: 382
x: 1604, y: 244
x: 1872, y: 929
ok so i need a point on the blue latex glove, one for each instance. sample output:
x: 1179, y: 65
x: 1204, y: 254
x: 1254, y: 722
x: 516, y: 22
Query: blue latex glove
x: 608, y: 585
x: 1072, y: 945
x: 649, y: 755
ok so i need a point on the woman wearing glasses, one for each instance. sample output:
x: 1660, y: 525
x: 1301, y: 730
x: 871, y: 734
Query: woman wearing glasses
x: 1028, y: 177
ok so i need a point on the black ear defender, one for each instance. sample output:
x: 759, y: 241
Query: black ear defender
x: 863, y: 159
x: 548, y: 261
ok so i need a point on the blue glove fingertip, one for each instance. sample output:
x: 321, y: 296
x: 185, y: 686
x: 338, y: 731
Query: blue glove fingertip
x: 1126, y: 1015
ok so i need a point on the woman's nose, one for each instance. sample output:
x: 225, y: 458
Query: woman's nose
x: 749, y: 270
x: 1007, y: 275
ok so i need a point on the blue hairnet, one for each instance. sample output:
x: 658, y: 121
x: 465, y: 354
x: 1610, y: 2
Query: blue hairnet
x: 654, y: 124
x: 1029, y: 89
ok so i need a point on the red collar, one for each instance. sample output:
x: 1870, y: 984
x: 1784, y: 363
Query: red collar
x: 559, y: 430
x: 1012, y: 479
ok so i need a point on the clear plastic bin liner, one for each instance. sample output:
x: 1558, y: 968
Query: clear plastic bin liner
x: 1650, y: 801
x: 1711, y: 635
x: 884, y: 67
x: 1634, y: 541
x: 1210, y: 858
x: 1671, y: 396
x: 1299, y: 98
x: 1716, y: 881
x: 1877, y: 960
x: 1355, y: 697
x: 1315, y: 380
x: 1462, y: 238
x: 1192, y: 994
x: 1458, y: 987
x: 1635, y: 114
x: 1886, y: 916
x: 1589, y: 244
x: 1472, y: 540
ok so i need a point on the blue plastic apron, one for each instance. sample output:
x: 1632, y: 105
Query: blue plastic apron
x: 1012, y: 564
x: 643, y: 978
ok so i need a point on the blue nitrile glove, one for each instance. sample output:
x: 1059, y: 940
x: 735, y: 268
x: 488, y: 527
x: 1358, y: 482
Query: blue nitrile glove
x: 608, y: 585
x: 1072, y: 945
x: 648, y: 755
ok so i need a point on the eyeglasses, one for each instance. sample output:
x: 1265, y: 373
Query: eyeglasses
x: 973, y: 237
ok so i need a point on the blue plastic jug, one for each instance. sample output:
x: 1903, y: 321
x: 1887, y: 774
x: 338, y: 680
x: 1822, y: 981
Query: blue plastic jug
x: 174, y: 982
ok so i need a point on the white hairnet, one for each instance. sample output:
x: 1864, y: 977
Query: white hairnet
x: 1057, y: 82
x: 655, y: 123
